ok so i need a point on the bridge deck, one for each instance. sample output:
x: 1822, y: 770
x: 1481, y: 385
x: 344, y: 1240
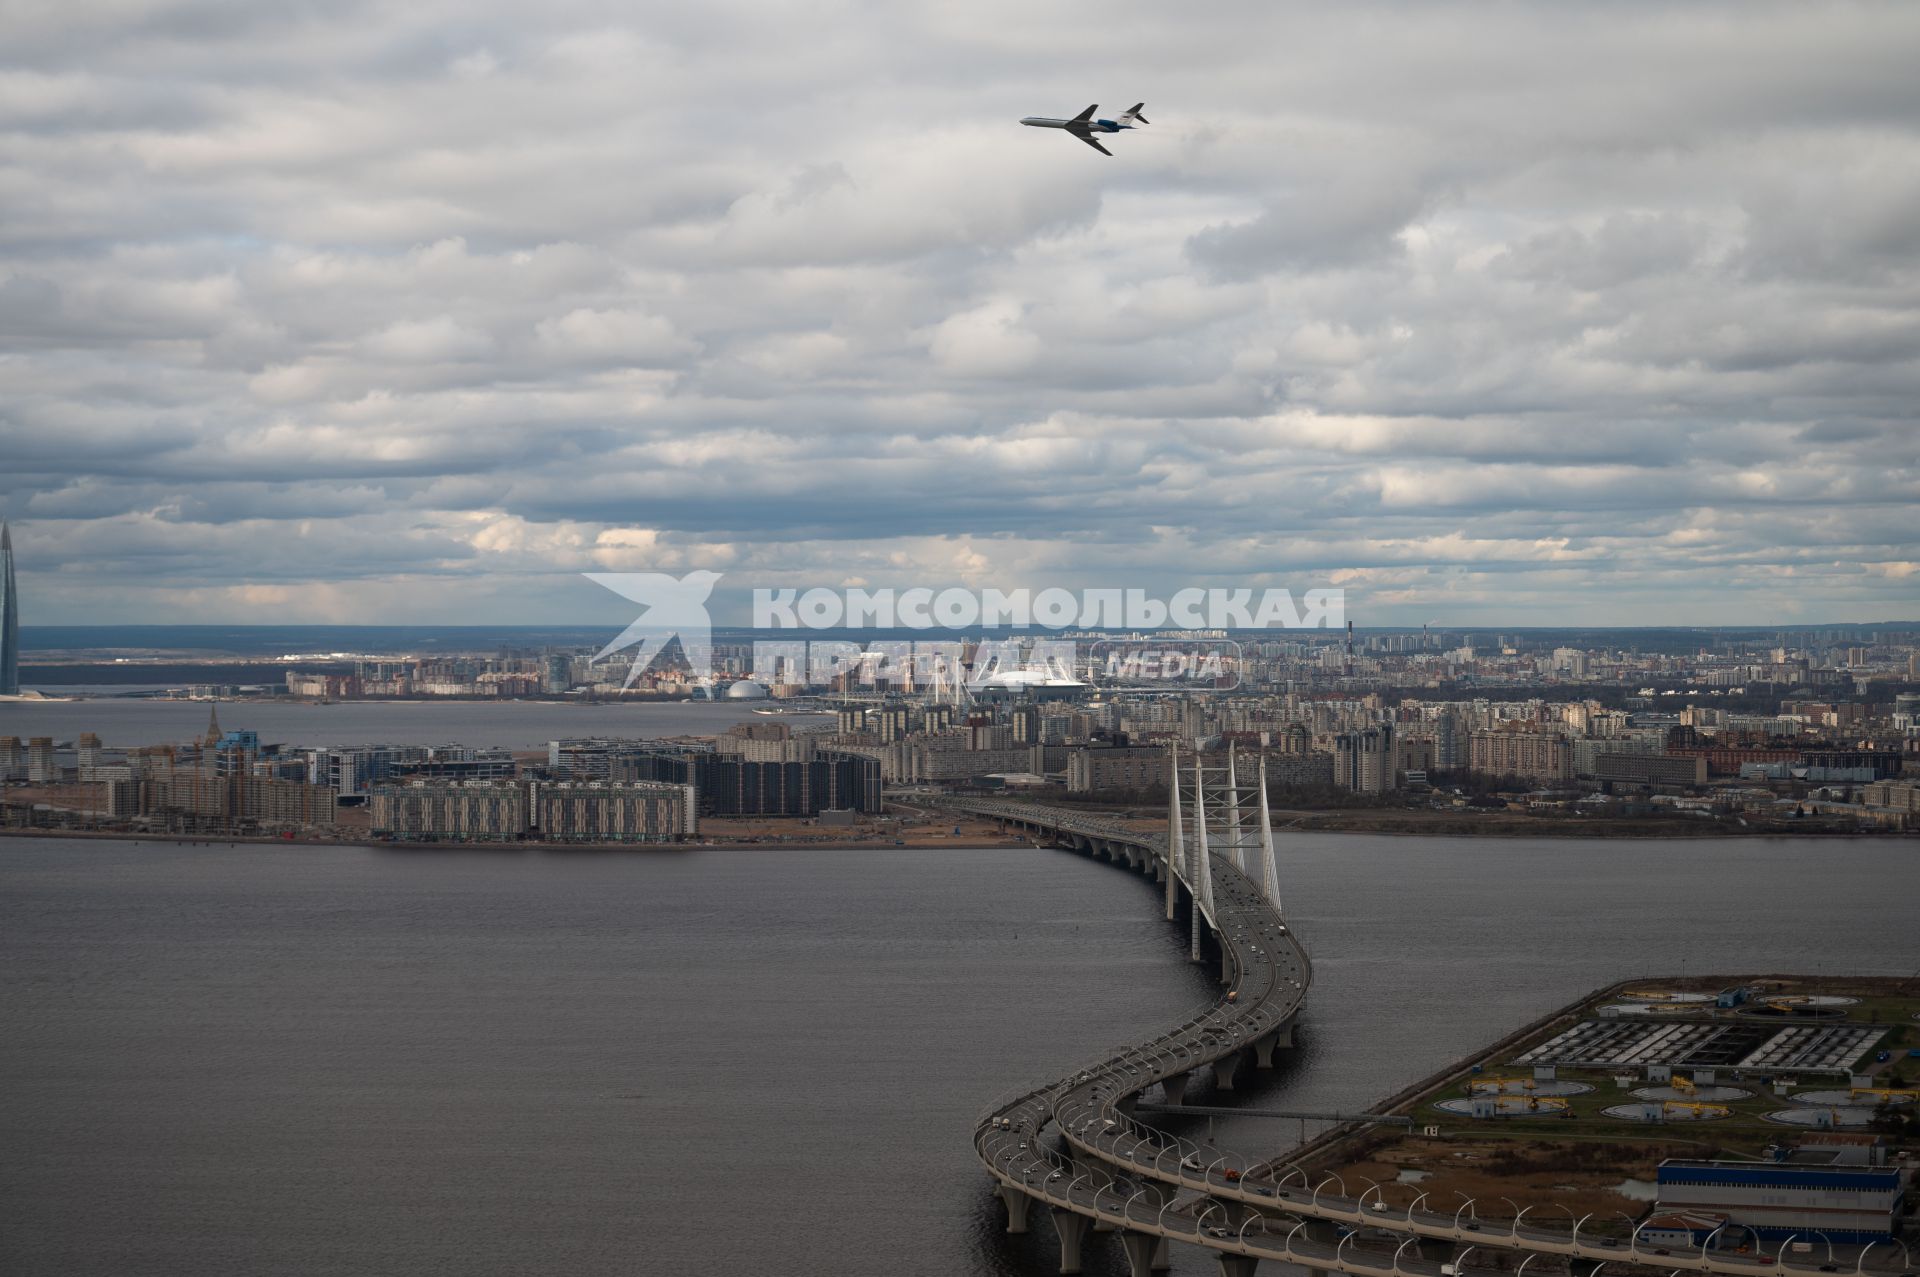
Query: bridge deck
x: 1143, y: 1180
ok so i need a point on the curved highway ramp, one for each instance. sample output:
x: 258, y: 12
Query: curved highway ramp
x: 1074, y: 1146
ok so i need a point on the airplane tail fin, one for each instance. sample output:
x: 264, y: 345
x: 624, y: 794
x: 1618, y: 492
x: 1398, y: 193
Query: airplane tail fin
x: 1134, y: 117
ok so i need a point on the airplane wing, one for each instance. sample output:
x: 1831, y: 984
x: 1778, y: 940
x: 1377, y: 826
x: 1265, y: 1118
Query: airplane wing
x: 1088, y: 113
x: 1088, y: 138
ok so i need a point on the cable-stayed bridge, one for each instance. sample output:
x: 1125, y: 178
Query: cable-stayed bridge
x: 1075, y: 1146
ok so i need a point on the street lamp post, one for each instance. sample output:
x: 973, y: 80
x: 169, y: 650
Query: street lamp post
x: 1780, y: 1256
x: 1905, y: 1255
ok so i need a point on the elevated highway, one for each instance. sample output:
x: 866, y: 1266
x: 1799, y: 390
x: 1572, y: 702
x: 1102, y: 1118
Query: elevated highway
x: 1108, y: 1172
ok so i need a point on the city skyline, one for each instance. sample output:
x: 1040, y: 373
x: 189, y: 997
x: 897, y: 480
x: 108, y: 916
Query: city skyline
x: 416, y: 319
x: 650, y: 636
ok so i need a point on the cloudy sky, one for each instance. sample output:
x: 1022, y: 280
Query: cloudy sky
x: 1490, y: 314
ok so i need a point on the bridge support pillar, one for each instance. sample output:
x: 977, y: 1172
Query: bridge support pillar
x: 1176, y: 1088
x: 1226, y: 966
x: 1238, y: 1265
x: 1263, y: 1051
x: 1073, y: 1233
x: 1223, y: 1070
x: 1146, y: 1254
x: 1018, y: 1204
x: 1324, y: 1231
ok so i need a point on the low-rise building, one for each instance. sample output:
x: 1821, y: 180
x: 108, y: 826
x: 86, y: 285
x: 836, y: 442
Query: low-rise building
x: 615, y: 811
x: 1897, y: 795
x: 484, y: 811
x: 1653, y: 770
x: 208, y: 799
x: 1781, y: 1200
x: 1121, y: 767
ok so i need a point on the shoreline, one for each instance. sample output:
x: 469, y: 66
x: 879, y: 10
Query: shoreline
x: 1681, y: 833
x: 381, y: 844
x: 1594, y: 830
x: 838, y: 844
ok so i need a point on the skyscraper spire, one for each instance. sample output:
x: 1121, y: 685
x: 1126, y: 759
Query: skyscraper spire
x: 9, y: 618
x: 213, y: 725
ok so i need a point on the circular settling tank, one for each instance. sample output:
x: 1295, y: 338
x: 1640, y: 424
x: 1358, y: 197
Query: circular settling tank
x: 1799, y: 1006
x: 1484, y: 1106
x: 1526, y: 1086
x: 1847, y: 1099
x: 1704, y: 1094
x: 1670, y: 1111
x: 1822, y: 1118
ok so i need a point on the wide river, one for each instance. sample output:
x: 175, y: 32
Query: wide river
x: 280, y: 1060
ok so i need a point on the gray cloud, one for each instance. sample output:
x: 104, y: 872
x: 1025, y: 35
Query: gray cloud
x: 362, y: 312
x: 1331, y: 224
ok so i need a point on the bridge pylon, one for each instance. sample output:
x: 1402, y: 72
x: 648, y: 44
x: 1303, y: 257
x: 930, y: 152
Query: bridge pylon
x: 1269, y: 862
x: 1200, y: 863
x: 1236, y: 835
x: 1225, y: 815
x: 1176, y: 838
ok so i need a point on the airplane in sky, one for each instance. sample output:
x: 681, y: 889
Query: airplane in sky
x: 1084, y: 126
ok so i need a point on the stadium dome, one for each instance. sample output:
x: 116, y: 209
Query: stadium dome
x: 1019, y: 679
x: 747, y: 690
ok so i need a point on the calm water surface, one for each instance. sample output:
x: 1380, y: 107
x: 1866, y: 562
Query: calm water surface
x: 331, y: 1061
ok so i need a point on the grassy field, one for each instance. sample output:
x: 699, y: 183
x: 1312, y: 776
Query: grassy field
x: 1589, y: 1162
